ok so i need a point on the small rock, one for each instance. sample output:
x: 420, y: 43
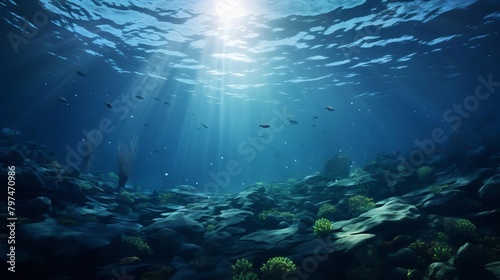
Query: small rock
x: 12, y: 157
x: 34, y: 207
x: 217, y: 241
x: 440, y: 271
x: 404, y: 257
x: 489, y: 193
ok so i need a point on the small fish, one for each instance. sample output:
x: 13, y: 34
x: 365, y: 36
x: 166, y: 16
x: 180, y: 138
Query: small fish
x: 146, y: 124
x: 205, y: 126
x: 314, y: 125
x: 139, y: 97
x: 166, y: 103
x: 329, y: 108
x: 157, y: 98
x: 62, y: 99
x: 109, y: 105
x: 129, y: 260
x: 293, y: 121
x: 265, y: 125
x: 81, y: 73
x: 315, y: 117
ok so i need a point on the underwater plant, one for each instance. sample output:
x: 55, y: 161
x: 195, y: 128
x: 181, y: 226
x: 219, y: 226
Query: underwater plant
x: 138, y: 245
x: 460, y: 230
x: 246, y: 276
x: 126, y: 157
x: 442, y: 253
x: 322, y: 227
x: 242, y: 266
x: 277, y: 267
x: 359, y: 204
x: 327, y: 210
x: 125, y: 198
x: 287, y: 216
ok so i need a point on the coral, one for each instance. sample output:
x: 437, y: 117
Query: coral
x: 327, y: 211
x: 490, y: 247
x: 168, y: 197
x: 246, y: 276
x: 125, y: 198
x: 277, y: 267
x: 242, y: 266
x: 359, y: 204
x: 322, y: 227
x: 277, y: 189
x: 287, y: 216
x: 460, y: 230
x: 137, y: 244
x: 442, y: 253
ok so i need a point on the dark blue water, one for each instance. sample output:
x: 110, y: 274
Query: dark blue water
x: 210, y: 73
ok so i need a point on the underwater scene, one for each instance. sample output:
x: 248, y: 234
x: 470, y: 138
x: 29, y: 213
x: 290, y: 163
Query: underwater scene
x: 250, y: 140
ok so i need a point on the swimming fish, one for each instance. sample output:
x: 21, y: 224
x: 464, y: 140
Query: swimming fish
x: 265, y: 125
x: 166, y: 103
x: 139, y: 97
x: 293, y: 121
x: 329, y: 108
x: 129, y: 260
x: 315, y: 117
x: 62, y: 99
x: 205, y: 126
x: 81, y: 73
x: 109, y: 105
x: 157, y: 98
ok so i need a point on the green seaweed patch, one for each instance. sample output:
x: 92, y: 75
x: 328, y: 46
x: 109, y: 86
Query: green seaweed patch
x: 328, y: 211
x: 242, y: 266
x: 125, y: 198
x: 359, y: 204
x: 137, y: 245
x: 277, y: 267
x: 168, y: 198
x: 287, y: 216
x: 442, y: 253
x: 460, y: 230
x: 322, y: 227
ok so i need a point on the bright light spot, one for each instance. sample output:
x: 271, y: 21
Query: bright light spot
x: 285, y: 142
x: 131, y: 116
x: 166, y: 174
x: 221, y: 157
x: 295, y: 160
x: 228, y: 10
